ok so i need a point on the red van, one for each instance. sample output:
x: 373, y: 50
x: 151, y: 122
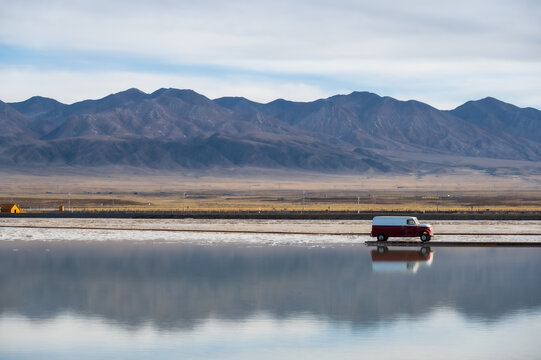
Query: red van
x: 384, y: 227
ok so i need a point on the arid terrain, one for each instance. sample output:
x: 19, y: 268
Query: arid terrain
x: 266, y: 191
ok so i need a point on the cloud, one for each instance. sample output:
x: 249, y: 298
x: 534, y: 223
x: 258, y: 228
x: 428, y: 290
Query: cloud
x: 443, y: 53
x: 233, y: 30
x: 443, y: 92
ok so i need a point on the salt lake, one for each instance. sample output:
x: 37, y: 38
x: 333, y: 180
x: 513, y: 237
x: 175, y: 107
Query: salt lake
x: 129, y: 294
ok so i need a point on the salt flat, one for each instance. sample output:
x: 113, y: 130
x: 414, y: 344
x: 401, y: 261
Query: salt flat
x: 259, y: 232
x: 294, y: 226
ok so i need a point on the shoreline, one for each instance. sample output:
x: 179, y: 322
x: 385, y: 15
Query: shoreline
x: 278, y: 215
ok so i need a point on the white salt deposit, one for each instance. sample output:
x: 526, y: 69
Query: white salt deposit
x: 318, y: 230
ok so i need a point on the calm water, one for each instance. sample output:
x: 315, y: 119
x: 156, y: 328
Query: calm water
x: 129, y: 300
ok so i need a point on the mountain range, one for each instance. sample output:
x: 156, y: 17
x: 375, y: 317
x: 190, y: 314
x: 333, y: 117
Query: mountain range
x: 356, y: 133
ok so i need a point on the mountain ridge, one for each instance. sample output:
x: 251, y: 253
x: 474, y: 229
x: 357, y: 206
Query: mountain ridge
x: 182, y: 129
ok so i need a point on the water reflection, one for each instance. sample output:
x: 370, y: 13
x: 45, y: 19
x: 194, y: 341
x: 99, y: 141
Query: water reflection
x: 180, y: 286
x: 400, y: 260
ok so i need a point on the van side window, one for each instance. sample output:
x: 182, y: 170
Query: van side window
x: 411, y: 222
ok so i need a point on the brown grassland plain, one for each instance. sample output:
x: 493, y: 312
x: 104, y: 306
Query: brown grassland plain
x: 268, y: 191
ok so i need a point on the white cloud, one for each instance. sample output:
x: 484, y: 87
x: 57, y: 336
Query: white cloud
x: 235, y: 30
x: 72, y: 86
x: 443, y: 53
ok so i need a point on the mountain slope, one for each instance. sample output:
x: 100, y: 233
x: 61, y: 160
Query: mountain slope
x: 43, y: 114
x: 214, y: 151
x: 14, y: 126
x: 491, y: 114
x: 367, y: 120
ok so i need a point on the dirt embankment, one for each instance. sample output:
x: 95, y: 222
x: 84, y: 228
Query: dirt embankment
x: 326, y: 215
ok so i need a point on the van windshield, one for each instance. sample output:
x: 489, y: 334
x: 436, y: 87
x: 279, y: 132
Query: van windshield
x: 413, y: 221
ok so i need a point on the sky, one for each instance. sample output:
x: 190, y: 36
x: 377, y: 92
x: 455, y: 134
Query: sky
x: 443, y: 53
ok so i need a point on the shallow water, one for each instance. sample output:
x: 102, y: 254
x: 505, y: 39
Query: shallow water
x: 303, y: 297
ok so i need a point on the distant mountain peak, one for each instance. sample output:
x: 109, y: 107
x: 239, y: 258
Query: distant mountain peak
x: 232, y: 102
x: 132, y: 94
x: 363, y: 93
x: 36, y: 100
x: 490, y: 98
x: 175, y: 92
x: 492, y: 114
x: 186, y: 95
x: 132, y: 91
x: 281, y: 101
x: 37, y: 106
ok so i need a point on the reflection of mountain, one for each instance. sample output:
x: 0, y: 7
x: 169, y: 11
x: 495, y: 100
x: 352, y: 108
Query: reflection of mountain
x: 174, y: 285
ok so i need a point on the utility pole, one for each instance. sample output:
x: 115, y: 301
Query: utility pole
x: 303, y: 192
x: 358, y: 204
x: 69, y: 200
x: 184, y: 202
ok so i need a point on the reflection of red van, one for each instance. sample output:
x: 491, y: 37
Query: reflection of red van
x: 385, y: 260
x: 384, y: 227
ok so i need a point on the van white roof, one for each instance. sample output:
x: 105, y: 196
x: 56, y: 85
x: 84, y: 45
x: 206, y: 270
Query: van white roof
x: 392, y: 220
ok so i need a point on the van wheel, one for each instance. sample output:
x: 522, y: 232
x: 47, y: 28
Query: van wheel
x: 425, y: 250
x: 382, y: 250
x: 425, y: 237
x: 382, y: 237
